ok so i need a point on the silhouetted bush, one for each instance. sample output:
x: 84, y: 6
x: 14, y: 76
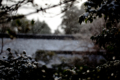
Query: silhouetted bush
x: 44, y: 55
x: 16, y: 66
x: 23, y: 67
x: 107, y: 71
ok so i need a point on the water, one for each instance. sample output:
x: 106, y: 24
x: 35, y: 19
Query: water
x: 32, y: 45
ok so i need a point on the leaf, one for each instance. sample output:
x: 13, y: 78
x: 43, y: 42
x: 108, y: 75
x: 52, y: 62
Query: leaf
x: 81, y: 19
x: 105, y: 17
x: 18, y: 22
x: 91, y: 20
x: 92, y: 37
x: 86, y: 20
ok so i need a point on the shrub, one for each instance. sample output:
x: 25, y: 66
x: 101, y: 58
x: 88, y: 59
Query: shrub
x: 107, y: 71
x: 23, y: 67
x: 44, y: 55
x: 14, y: 67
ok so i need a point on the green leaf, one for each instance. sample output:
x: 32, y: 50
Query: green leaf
x: 86, y: 20
x: 18, y: 22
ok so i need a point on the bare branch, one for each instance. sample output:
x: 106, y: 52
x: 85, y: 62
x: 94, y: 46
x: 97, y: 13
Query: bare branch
x: 44, y: 9
x: 5, y: 10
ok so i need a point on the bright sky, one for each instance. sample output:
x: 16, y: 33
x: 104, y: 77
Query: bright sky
x: 51, y: 17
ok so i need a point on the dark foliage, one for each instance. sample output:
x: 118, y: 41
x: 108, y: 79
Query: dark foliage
x: 42, y: 55
x: 23, y: 67
x: 108, y: 8
x: 107, y: 71
x: 108, y: 39
x: 16, y: 67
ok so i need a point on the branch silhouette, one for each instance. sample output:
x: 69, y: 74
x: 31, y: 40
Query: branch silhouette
x: 5, y: 10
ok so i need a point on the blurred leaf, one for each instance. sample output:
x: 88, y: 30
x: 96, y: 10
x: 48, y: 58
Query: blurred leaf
x: 86, y: 20
x: 32, y: 22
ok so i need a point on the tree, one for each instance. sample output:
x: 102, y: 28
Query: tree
x: 70, y: 23
x: 109, y: 37
x: 40, y: 28
x: 24, y: 25
x: 57, y: 31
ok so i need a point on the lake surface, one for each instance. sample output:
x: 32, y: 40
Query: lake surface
x: 32, y: 45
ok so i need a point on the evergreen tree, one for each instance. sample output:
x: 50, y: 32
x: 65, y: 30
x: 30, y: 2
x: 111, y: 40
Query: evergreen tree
x: 70, y: 23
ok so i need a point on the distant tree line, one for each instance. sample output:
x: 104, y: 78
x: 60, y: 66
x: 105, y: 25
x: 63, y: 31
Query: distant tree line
x: 24, y: 25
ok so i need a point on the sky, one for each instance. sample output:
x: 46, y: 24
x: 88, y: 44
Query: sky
x: 51, y: 16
